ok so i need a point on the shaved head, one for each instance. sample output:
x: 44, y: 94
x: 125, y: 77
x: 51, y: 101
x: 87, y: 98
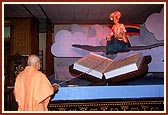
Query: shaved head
x: 34, y: 60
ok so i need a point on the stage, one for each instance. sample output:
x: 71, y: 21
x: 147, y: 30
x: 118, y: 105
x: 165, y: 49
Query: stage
x: 109, y: 98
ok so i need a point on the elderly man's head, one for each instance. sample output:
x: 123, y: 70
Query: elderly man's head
x: 34, y: 60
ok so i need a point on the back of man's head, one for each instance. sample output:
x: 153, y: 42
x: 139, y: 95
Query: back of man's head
x: 34, y: 60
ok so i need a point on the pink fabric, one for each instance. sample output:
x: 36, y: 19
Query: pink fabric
x: 32, y: 90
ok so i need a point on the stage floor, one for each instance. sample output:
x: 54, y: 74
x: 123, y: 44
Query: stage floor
x: 141, y: 94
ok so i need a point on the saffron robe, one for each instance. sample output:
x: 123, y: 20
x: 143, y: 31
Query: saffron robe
x: 32, y: 90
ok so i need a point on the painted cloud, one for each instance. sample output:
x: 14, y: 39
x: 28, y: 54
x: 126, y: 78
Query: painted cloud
x: 155, y: 24
x: 82, y: 35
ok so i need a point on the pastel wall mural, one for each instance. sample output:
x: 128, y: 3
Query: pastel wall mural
x: 151, y: 32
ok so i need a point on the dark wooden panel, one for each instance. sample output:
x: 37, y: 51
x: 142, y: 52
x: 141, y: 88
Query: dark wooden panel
x: 155, y: 104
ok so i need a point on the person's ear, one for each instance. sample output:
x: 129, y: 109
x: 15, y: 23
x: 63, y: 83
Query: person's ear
x: 37, y: 65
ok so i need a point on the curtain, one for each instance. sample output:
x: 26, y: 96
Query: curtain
x: 34, y: 37
x: 49, y: 56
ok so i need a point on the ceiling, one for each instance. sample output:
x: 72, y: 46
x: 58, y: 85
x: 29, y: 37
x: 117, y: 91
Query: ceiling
x: 81, y: 13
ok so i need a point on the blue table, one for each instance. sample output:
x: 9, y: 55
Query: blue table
x: 87, y: 96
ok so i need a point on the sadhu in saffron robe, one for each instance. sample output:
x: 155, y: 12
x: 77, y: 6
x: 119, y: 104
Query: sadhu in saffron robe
x: 32, y: 90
